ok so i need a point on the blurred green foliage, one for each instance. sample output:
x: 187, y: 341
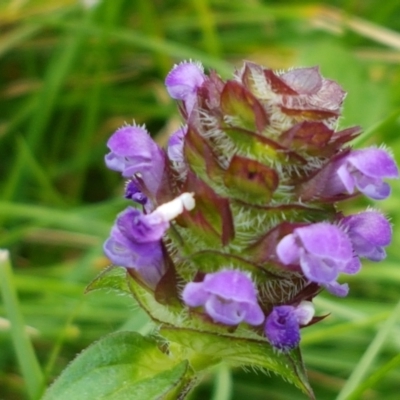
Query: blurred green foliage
x: 70, y: 74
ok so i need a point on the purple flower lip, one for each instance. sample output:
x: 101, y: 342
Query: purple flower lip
x: 229, y: 297
x: 322, y: 251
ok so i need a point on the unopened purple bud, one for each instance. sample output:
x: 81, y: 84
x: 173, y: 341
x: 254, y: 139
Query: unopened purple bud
x: 369, y: 233
x: 134, y: 152
x: 183, y: 81
x: 282, y: 326
x: 228, y: 296
x: 364, y: 170
x: 323, y: 251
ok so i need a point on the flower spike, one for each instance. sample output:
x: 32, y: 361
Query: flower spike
x: 240, y: 228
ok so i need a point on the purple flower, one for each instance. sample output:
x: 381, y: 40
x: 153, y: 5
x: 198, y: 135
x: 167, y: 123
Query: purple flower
x: 135, y: 240
x: 363, y: 170
x: 323, y: 251
x: 135, y: 243
x: 183, y: 81
x: 133, y: 152
x: 282, y: 327
x: 369, y: 232
x: 228, y: 296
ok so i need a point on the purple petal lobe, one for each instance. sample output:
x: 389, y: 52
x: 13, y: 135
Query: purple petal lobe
x: 135, y: 243
x: 287, y: 250
x: 317, y: 269
x: 337, y: 289
x: 375, y: 163
x: 225, y: 312
x: 369, y: 232
x: 231, y: 284
x: 141, y: 228
x: 133, y: 151
x: 194, y: 295
x: 183, y: 81
x: 229, y: 297
x: 325, y: 240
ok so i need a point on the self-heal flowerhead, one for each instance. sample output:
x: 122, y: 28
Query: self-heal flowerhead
x: 183, y: 81
x: 323, y: 251
x: 282, y: 326
x: 228, y: 297
x: 369, y: 233
x: 133, y: 152
x: 262, y: 156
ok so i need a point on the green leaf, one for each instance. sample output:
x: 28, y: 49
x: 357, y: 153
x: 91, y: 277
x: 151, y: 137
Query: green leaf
x: 121, y: 366
x: 113, y: 278
x: 205, y: 344
x: 211, y: 348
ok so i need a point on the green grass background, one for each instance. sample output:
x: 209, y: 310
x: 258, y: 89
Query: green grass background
x: 70, y: 75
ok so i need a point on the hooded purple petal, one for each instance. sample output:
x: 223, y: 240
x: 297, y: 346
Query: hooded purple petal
x: 183, y: 81
x: 231, y: 297
x: 369, y: 232
x: 133, y: 152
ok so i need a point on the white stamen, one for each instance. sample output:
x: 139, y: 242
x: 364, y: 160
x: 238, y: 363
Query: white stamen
x: 305, y: 312
x: 169, y: 211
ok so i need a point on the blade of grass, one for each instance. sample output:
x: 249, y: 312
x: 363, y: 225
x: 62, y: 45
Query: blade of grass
x: 223, y: 383
x: 169, y: 47
x: 48, y: 192
x: 14, y: 38
x: 211, y: 41
x: 375, y: 378
x: 389, y: 120
x: 153, y: 27
x: 366, y: 361
x: 27, y: 360
x: 51, y: 217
